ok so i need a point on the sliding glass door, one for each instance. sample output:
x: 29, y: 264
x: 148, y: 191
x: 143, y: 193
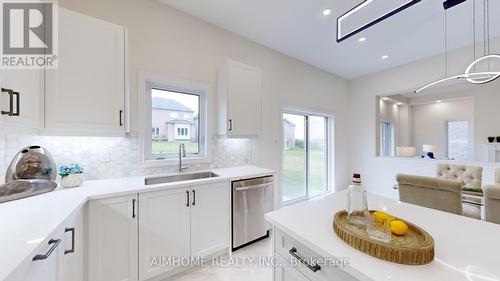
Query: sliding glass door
x: 305, y: 155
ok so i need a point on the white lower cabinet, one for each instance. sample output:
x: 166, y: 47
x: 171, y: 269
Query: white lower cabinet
x: 45, y: 268
x: 113, y: 239
x: 163, y: 230
x: 285, y: 272
x: 58, y: 258
x: 72, y: 249
x: 210, y: 209
x: 132, y: 237
x: 289, y: 251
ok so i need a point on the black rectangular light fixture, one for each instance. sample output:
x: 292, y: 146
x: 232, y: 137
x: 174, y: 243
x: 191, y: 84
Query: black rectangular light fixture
x: 451, y: 3
x: 367, y: 14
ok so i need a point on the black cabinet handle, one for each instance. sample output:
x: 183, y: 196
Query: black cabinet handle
x: 313, y: 268
x: 18, y: 104
x: 194, y: 197
x: 11, y: 102
x: 54, y: 243
x: 72, y: 230
x: 187, y: 198
x: 121, y: 118
x: 133, y: 208
x: 230, y: 125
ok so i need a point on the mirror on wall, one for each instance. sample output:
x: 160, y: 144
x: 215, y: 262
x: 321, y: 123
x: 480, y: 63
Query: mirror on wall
x: 454, y: 123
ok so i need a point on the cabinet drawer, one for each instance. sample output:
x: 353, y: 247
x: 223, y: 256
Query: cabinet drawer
x: 290, y: 249
x: 283, y: 271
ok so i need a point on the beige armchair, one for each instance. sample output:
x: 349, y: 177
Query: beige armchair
x: 435, y: 193
x: 492, y: 200
x: 470, y: 176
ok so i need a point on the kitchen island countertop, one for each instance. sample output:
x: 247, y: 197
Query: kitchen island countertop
x: 465, y: 249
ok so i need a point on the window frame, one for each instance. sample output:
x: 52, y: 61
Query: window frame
x: 147, y: 82
x: 329, y: 148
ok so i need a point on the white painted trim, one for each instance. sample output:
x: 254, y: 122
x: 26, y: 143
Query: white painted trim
x: 126, y: 109
x: 330, y: 151
x: 201, y: 88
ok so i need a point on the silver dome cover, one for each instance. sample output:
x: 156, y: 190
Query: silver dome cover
x: 32, y: 162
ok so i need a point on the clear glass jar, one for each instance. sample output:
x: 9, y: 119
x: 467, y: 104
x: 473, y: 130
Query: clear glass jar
x: 357, y: 205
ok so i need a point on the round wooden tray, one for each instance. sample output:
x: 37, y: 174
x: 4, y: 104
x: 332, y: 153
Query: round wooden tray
x: 414, y: 248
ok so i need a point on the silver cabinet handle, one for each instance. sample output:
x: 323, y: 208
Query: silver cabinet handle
x: 54, y: 243
x: 72, y: 250
x: 313, y: 268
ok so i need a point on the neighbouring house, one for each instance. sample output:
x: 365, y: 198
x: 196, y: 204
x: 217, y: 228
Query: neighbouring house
x: 172, y: 121
x: 288, y: 134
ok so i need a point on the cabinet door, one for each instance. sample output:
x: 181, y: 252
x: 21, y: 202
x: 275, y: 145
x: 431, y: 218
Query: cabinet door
x: 244, y: 102
x: 163, y: 230
x: 86, y: 94
x: 210, y: 209
x: 41, y: 270
x: 113, y: 239
x: 28, y: 84
x: 71, y: 255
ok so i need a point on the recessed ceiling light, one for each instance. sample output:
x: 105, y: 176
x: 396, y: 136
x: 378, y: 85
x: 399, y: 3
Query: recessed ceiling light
x: 399, y: 103
x: 384, y: 57
x: 362, y: 39
x: 438, y: 101
x: 327, y: 12
x: 385, y: 98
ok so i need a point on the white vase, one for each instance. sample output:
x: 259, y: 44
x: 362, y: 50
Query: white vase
x: 73, y: 180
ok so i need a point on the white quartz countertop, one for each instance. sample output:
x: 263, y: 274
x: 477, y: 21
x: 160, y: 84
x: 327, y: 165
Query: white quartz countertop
x: 465, y: 249
x: 26, y: 223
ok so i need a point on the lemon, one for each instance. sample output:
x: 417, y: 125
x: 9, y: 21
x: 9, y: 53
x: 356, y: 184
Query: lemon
x: 399, y: 228
x: 382, y: 218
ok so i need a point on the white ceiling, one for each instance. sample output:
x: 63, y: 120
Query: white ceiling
x: 298, y: 29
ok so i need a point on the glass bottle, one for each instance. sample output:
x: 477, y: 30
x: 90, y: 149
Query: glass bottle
x: 357, y: 206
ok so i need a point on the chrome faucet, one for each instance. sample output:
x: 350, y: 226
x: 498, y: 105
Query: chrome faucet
x: 182, y: 153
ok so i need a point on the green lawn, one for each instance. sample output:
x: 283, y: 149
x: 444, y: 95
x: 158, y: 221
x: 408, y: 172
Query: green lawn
x: 294, y: 174
x: 173, y: 147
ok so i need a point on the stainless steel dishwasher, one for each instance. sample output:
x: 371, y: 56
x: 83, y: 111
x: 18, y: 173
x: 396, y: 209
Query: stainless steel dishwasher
x: 251, y: 200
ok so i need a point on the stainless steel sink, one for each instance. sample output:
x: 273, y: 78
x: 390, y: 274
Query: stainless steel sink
x: 179, y: 177
x: 24, y: 188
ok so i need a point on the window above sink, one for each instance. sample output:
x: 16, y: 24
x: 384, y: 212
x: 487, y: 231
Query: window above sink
x: 174, y: 112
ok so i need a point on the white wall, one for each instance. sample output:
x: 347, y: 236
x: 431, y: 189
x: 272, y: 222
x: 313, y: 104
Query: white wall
x: 429, y: 123
x: 379, y: 173
x: 165, y: 41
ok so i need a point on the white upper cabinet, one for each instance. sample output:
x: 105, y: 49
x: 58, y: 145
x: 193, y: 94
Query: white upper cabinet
x: 86, y: 94
x: 21, y: 101
x: 239, y: 100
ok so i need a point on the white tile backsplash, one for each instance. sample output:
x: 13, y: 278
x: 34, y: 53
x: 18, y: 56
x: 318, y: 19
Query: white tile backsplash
x: 103, y: 157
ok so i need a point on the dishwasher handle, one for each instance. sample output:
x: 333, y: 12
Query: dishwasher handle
x: 253, y: 186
